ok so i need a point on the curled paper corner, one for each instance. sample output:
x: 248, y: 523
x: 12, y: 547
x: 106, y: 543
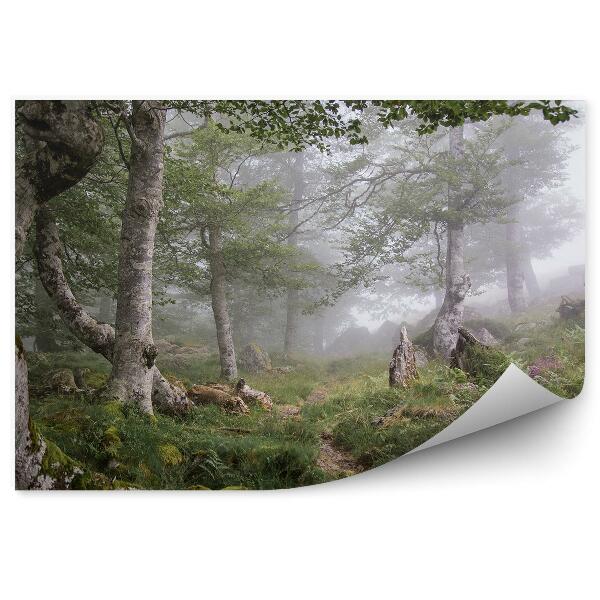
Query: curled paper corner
x: 513, y: 395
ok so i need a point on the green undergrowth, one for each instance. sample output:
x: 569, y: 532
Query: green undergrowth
x: 210, y: 449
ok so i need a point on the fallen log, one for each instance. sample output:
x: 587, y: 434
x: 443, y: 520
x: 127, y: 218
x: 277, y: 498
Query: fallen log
x: 250, y: 395
x: 205, y: 394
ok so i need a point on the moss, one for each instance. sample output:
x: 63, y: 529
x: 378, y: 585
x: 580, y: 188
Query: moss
x: 111, y: 441
x: 170, y: 455
x: 198, y: 487
x: 96, y: 379
x: 113, y: 409
x: 98, y: 481
x: 485, y: 365
x: 60, y: 467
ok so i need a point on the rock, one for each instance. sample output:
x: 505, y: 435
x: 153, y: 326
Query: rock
x: 168, y: 351
x: 254, y: 359
x: 288, y: 411
x: 523, y: 341
x: 421, y: 357
x: 170, y: 455
x: 403, y: 366
x: 79, y: 374
x: 571, y: 309
x: 63, y: 381
x: 485, y: 337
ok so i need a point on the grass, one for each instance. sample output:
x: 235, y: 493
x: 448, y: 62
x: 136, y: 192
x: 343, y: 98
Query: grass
x: 211, y: 449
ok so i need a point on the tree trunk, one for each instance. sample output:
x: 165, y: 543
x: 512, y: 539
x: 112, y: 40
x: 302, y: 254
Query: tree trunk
x: 97, y: 336
x: 458, y: 283
x: 61, y: 142
x: 292, y: 302
x: 531, y: 280
x: 515, y: 276
x: 218, y: 292
x: 134, y: 349
x: 45, y: 339
x: 318, y: 334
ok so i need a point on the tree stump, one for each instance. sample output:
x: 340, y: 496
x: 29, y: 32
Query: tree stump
x: 403, y: 366
x: 459, y: 358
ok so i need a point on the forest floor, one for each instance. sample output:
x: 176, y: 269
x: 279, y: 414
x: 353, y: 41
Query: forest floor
x: 326, y: 421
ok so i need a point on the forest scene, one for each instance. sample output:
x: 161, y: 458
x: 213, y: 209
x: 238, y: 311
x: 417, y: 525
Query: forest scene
x: 254, y: 294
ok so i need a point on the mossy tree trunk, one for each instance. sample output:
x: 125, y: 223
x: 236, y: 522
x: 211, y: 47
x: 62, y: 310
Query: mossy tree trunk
x: 292, y: 301
x: 218, y: 293
x: 458, y: 283
x: 61, y: 142
x: 134, y: 350
x: 98, y: 336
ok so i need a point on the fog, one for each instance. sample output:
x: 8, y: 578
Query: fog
x: 317, y: 244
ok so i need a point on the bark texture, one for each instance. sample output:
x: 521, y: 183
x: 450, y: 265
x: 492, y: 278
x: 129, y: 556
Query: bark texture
x: 134, y: 350
x: 515, y: 274
x: 98, y: 336
x: 250, y: 395
x: 218, y: 292
x: 292, y: 301
x: 458, y: 283
x: 61, y: 141
x: 403, y: 366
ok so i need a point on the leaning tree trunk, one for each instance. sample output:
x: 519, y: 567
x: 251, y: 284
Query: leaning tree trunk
x: 218, y: 293
x: 292, y: 301
x: 61, y: 141
x: 515, y: 275
x: 134, y: 349
x: 96, y: 335
x: 458, y: 283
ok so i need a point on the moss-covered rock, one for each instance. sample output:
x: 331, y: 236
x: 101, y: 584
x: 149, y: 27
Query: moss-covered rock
x: 111, y: 441
x: 483, y: 363
x: 254, y: 359
x: 170, y: 455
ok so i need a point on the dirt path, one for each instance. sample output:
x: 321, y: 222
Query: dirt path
x: 335, y: 461
x: 332, y: 460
